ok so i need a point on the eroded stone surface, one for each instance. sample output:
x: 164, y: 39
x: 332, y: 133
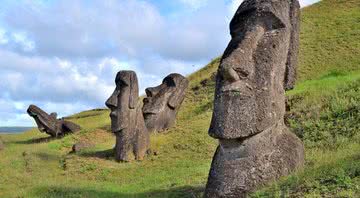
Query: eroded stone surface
x: 162, y: 102
x: 127, y: 121
x: 257, y: 67
x: 50, y: 124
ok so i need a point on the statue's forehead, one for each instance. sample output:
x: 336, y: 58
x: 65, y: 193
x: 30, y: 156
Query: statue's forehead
x: 259, y: 7
x: 35, y: 109
x: 124, y: 76
x: 173, y: 78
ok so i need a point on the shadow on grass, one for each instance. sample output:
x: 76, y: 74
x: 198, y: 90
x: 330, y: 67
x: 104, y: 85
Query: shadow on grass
x: 105, y: 154
x: 183, y: 192
x: 37, y: 140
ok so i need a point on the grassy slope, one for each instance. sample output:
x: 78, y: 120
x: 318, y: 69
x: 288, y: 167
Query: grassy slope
x: 34, y: 166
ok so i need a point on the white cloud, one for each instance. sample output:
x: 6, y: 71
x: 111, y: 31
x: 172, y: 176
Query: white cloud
x: 22, y: 39
x: 3, y: 37
x: 234, y: 5
x: 194, y: 4
x: 304, y: 3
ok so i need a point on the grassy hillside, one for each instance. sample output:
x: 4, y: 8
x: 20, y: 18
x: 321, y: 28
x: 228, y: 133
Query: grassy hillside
x: 330, y: 34
x: 324, y: 112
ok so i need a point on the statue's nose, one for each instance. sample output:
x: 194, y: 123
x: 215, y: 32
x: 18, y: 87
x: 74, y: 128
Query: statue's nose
x: 146, y: 100
x: 112, y: 101
x: 230, y: 74
x: 152, y: 91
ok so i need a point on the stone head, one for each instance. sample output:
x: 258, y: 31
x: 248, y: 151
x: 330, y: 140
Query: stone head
x: 44, y: 121
x: 162, y: 102
x: 123, y: 100
x: 250, y: 82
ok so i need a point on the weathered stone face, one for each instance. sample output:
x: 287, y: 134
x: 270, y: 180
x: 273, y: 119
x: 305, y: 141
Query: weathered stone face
x: 256, y: 68
x: 123, y: 100
x: 162, y: 102
x: 50, y: 124
x: 250, y: 92
x: 127, y: 122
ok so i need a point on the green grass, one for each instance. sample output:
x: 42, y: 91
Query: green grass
x: 330, y: 34
x: 324, y: 112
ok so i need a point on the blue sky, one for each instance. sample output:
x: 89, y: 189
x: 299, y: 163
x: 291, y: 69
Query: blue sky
x: 63, y: 55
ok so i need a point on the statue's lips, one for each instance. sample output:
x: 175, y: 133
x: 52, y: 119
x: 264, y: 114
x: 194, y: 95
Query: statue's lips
x: 148, y: 115
x: 113, y: 114
x: 238, y: 88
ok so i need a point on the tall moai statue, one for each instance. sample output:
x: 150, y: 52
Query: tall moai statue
x: 127, y: 121
x: 255, y: 146
x: 163, y: 102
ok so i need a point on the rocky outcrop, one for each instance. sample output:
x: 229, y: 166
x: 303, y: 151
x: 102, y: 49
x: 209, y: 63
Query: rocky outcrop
x: 50, y: 124
x: 259, y: 64
x: 127, y: 121
x: 163, y: 102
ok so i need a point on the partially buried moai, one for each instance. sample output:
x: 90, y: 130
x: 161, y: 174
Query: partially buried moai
x: 163, y: 102
x: 255, y: 146
x: 127, y: 122
x: 50, y: 124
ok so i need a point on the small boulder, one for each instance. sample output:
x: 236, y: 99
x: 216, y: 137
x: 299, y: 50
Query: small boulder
x: 81, y: 145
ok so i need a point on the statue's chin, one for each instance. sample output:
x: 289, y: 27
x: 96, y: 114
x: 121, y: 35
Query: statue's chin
x: 115, y: 127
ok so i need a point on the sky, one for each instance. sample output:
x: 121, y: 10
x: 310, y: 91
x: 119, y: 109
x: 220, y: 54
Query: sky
x: 63, y: 55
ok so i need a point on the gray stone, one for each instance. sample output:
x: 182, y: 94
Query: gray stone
x: 163, y: 102
x: 257, y: 67
x: 81, y: 145
x: 127, y: 121
x: 50, y: 124
x: 292, y: 61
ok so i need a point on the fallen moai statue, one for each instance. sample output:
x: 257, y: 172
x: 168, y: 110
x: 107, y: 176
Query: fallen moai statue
x: 50, y: 124
x: 127, y: 121
x: 163, y: 102
x: 255, y: 146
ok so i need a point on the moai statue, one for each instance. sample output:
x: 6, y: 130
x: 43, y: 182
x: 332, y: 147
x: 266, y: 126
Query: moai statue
x: 163, y: 102
x: 127, y: 121
x: 50, y: 124
x: 255, y: 146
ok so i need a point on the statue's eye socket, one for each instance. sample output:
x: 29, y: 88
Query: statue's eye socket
x: 122, y: 83
x: 170, y: 82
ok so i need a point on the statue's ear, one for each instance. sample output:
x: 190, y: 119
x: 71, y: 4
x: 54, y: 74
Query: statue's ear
x: 291, y: 63
x: 134, y: 91
x: 177, y: 98
x: 53, y: 115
